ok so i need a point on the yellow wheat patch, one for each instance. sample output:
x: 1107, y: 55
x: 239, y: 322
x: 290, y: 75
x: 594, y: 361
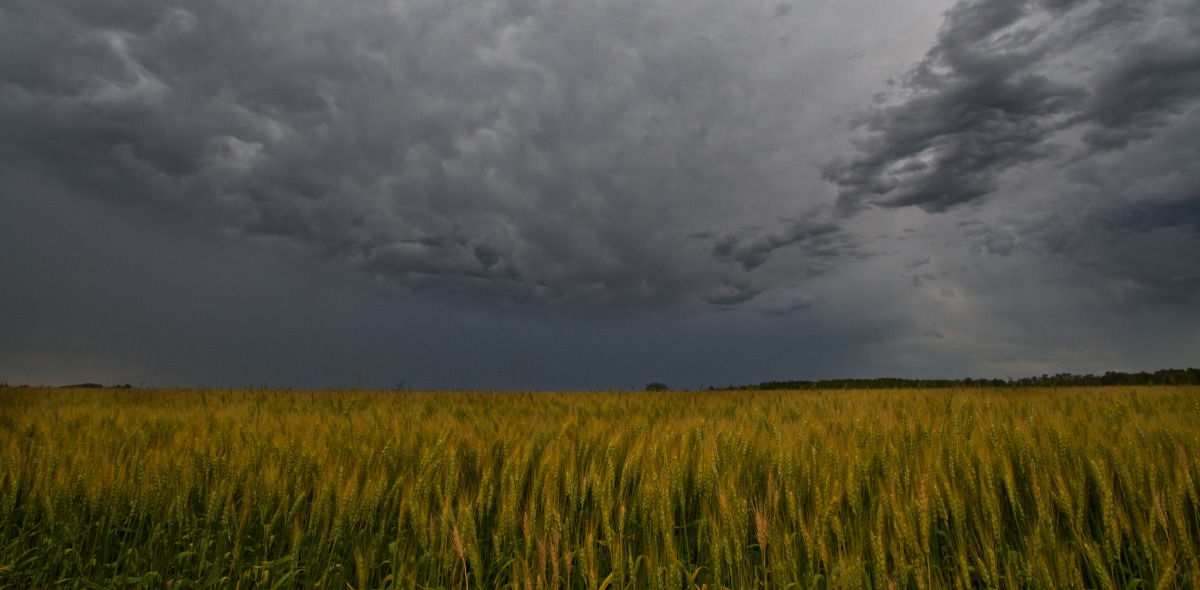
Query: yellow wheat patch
x: 817, y: 489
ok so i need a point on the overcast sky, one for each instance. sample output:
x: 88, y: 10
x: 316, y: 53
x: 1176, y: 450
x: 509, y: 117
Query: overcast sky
x: 579, y: 194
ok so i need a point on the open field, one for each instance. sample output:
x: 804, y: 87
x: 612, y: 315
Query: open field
x: 1021, y: 488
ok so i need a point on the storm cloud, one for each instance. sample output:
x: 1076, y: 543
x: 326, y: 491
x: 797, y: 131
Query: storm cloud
x: 751, y: 247
x: 525, y: 151
x: 1013, y: 83
x: 526, y: 193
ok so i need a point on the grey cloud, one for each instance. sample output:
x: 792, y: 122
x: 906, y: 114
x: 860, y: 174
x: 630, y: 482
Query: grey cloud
x: 1004, y: 81
x: 1147, y: 216
x: 788, y: 307
x: 518, y: 193
x: 918, y: 279
x: 1189, y: 280
x: 1054, y: 235
x: 992, y: 239
x: 733, y: 294
x: 752, y: 247
x: 1152, y: 82
x: 1061, y: 5
x: 509, y: 150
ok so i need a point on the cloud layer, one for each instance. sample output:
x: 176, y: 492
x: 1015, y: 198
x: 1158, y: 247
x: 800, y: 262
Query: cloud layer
x: 773, y: 190
x: 515, y: 150
x: 1013, y: 83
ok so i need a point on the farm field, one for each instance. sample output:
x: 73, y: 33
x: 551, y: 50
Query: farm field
x: 920, y: 489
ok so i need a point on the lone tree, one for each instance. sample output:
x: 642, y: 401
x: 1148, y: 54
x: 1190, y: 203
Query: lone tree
x: 656, y: 386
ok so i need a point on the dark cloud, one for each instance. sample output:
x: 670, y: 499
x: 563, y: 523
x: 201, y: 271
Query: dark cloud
x: 733, y: 294
x: 100, y: 295
x: 752, y: 247
x: 1150, y: 83
x: 1148, y: 216
x: 1004, y: 84
x: 509, y: 150
x: 514, y: 193
x: 991, y: 239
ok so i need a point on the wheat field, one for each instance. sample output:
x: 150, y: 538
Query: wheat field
x: 1007, y: 488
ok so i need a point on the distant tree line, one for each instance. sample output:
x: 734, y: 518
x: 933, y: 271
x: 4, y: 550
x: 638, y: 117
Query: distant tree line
x: 1189, y: 376
x: 4, y: 384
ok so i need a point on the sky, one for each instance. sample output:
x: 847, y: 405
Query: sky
x: 551, y: 194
